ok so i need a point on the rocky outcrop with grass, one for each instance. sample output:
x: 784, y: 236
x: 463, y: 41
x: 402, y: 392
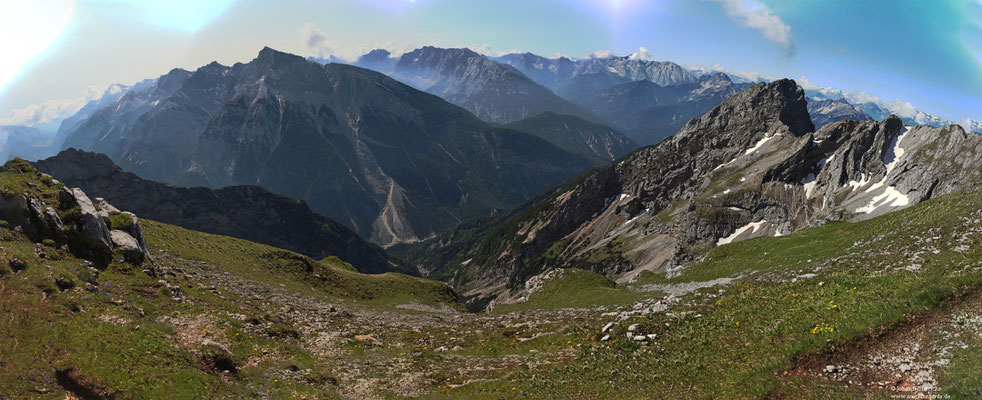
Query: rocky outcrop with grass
x: 246, y: 212
x: 47, y: 211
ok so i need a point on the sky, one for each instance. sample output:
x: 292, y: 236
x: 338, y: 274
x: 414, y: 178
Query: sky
x: 928, y: 53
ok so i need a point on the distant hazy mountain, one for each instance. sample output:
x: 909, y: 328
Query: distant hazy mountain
x: 554, y: 73
x: 825, y: 112
x: 492, y: 91
x: 47, y: 116
x: 25, y: 142
x: 42, y: 128
x: 649, y: 113
x: 103, y: 131
x: 393, y: 163
x: 547, y: 72
x: 594, y: 141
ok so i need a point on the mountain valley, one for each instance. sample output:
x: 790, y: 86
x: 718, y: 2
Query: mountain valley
x: 444, y: 223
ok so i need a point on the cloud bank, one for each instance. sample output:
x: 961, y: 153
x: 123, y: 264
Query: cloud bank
x: 643, y: 54
x: 756, y: 15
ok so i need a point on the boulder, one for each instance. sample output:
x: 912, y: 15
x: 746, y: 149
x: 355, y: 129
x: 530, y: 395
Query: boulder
x: 127, y: 245
x: 93, y: 230
x: 137, y: 232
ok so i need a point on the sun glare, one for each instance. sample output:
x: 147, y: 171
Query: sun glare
x: 27, y: 28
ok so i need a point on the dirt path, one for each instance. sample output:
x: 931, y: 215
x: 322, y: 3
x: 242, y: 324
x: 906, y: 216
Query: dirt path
x: 903, y: 360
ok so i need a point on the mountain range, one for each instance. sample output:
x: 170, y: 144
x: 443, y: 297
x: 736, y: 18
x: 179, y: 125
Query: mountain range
x: 824, y: 112
x: 391, y: 162
x: 752, y: 166
x: 493, y: 92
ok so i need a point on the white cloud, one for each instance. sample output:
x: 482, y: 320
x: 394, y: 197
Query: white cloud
x: 643, y: 54
x: 738, y: 76
x: 486, y: 50
x: 319, y: 45
x: 56, y: 110
x: 972, y: 125
x: 756, y: 15
x: 601, y: 54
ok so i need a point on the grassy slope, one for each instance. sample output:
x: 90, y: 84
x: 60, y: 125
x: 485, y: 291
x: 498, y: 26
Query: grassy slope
x: 577, y: 288
x: 138, y: 356
x: 111, y: 327
x: 745, y: 337
x: 338, y: 280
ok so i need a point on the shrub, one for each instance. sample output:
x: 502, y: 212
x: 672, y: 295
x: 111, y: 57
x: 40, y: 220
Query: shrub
x: 283, y: 331
x: 17, y: 264
x: 46, y: 286
x: 64, y: 282
x: 217, y: 359
x: 320, y: 377
x: 120, y: 221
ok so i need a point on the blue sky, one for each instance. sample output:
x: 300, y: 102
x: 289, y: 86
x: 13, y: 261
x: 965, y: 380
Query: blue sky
x: 928, y: 53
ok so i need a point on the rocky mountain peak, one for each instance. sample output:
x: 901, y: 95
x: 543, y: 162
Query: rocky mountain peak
x: 430, y: 56
x: 271, y: 58
x: 172, y: 81
x: 745, y: 121
x: 716, y: 77
x: 377, y: 55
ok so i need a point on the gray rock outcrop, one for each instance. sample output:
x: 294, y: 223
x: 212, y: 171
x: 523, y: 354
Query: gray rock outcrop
x: 74, y: 220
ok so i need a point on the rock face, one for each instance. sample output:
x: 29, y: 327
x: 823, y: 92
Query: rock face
x: 246, y: 212
x: 750, y: 167
x: 825, y: 112
x: 94, y: 229
x: 47, y: 210
x: 391, y: 162
x: 493, y: 92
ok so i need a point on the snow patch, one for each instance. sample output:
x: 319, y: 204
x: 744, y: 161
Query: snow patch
x: 891, y: 197
x: 637, y: 216
x: 895, y: 152
x: 863, y: 181
x: 821, y: 163
x: 809, y: 182
x: 752, y: 227
x: 724, y: 164
x: 758, y: 145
